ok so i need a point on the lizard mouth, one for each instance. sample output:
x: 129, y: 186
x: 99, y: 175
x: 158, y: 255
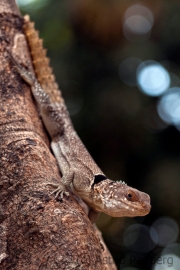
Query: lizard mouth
x: 130, y: 211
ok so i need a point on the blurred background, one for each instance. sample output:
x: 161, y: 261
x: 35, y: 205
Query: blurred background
x: 117, y: 63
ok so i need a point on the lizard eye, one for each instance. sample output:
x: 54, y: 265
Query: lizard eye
x: 131, y: 196
x: 98, y: 178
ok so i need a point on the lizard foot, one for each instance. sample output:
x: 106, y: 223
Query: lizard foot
x: 60, y: 190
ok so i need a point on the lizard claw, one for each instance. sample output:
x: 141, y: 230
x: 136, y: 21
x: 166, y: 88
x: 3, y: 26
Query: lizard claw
x: 60, y: 190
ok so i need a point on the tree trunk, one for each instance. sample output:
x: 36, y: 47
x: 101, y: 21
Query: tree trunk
x: 36, y: 230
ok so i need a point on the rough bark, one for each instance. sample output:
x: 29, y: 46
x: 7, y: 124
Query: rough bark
x: 36, y: 231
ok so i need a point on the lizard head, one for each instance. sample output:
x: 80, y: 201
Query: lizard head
x: 119, y: 200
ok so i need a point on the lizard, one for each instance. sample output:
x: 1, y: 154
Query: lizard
x: 80, y: 173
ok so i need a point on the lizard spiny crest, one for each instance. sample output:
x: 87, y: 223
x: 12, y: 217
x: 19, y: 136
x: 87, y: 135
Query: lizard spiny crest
x: 41, y: 62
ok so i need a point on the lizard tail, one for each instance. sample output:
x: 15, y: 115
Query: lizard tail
x: 41, y: 62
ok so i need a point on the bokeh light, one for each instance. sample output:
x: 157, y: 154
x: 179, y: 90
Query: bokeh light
x: 167, y: 261
x: 169, y: 258
x: 137, y: 238
x: 153, y: 79
x: 138, y: 21
x: 32, y: 4
x: 25, y: 2
x: 128, y: 69
x: 169, y: 106
x: 166, y: 229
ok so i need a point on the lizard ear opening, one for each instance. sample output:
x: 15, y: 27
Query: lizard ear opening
x: 98, y: 178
